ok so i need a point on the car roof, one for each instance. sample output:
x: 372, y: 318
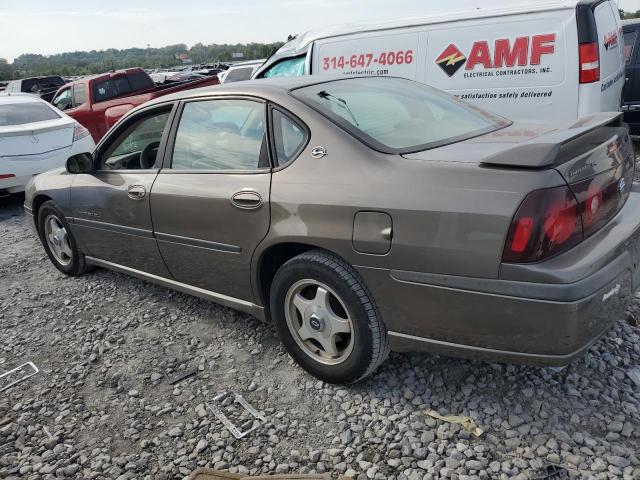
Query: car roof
x: 13, y: 98
x: 303, y: 40
x: 263, y: 87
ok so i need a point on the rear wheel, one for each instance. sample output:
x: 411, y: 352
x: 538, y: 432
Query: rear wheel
x: 58, y: 240
x: 327, y: 319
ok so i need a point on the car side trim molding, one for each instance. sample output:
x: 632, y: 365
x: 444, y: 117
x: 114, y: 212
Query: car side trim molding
x: 549, y: 292
x: 225, y: 300
x: 401, y: 342
x: 196, y: 242
x: 112, y: 227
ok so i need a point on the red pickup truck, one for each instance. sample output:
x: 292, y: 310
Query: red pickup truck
x: 98, y: 102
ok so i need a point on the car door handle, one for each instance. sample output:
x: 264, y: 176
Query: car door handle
x: 136, y: 192
x: 246, y: 199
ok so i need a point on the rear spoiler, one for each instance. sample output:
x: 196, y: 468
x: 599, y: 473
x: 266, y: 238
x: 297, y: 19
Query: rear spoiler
x: 552, y: 148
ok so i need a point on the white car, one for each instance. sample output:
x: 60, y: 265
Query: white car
x: 35, y: 137
x: 240, y: 71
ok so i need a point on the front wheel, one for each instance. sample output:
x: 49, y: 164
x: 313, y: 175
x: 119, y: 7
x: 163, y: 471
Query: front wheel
x: 326, y: 318
x: 58, y: 240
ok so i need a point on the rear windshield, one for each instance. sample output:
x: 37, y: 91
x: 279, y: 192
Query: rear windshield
x: 38, y: 84
x: 394, y: 115
x: 21, y: 113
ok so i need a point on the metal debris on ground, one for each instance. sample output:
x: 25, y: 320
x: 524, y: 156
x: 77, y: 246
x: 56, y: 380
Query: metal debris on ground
x: 17, y: 375
x: 182, y: 375
x: 467, y: 423
x: 552, y: 472
x: 216, y: 403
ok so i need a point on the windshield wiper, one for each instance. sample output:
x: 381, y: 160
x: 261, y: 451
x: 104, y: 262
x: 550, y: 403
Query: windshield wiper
x: 341, y: 102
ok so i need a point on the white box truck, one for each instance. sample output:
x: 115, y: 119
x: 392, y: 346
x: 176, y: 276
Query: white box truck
x: 555, y: 60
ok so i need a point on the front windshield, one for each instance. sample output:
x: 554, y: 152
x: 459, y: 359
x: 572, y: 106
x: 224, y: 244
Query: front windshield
x: 291, y: 67
x: 397, y: 115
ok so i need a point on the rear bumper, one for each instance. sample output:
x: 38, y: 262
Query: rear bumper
x: 482, y: 324
x: 547, y: 321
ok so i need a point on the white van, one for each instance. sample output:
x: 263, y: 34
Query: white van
x: 549, y: 60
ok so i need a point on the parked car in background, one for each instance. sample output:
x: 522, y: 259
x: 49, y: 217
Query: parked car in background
x: 543, y: 61
x: 240, y: 71
x: 44, y: 87
x: 174, y: 77
x: 35, y: 137
x: 374, y: 213
x: 631, y: 91
x: 98, y: 102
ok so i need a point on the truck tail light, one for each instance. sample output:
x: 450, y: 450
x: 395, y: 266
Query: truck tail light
x: 547, y: 222
x: 589, y: 59
x: 79, y: 132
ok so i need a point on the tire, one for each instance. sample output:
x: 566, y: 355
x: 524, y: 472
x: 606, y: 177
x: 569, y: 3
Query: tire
x: 61, y: 249
x: 326, y: 318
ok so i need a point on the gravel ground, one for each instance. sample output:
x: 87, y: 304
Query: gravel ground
x: 102, y: 406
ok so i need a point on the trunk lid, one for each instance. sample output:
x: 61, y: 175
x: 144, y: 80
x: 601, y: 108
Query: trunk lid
x: 36, y: 138
x: 594, y: 156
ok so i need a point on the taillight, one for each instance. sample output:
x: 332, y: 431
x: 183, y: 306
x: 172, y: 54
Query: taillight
x: 589, y: 58
x: 552, y: 220
x: 548, y: 222
x: 4, y: 176
x: 602, y: 196
x: 79, y: 132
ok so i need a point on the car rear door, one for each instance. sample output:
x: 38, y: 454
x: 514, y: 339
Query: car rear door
x: 210, y: 202
x: 110, y: 206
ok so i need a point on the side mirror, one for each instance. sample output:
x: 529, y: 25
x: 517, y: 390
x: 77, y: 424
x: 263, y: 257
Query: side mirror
x: 80, y: 163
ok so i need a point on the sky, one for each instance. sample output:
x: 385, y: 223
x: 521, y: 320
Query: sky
x: 46, y: 27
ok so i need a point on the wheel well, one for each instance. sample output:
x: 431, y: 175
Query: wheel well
x: 35, y: 207
x: 271, y: 261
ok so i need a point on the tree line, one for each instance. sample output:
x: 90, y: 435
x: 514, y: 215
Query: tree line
x: 100, y: 61
x: 625, y: 15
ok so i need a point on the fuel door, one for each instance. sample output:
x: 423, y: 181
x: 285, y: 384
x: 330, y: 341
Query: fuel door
x: 372, y: 232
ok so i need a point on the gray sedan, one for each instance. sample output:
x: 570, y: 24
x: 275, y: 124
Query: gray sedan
x: 361, y: 215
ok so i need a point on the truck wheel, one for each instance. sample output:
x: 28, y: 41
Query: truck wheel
x: 326, y: 318
x: 58, y: 240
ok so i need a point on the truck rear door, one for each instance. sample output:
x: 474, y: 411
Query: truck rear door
x: 611, y: 55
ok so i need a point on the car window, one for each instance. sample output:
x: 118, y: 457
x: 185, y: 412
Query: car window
x: 33, y: 85
x: 137, y: 146
x: 140, y: 81
x: 291, y: 67
x: 219, y: 135
x: 289, y: 137
x: 238, y: 74
x: 629, y: 42
x: 397, y: 115
x: 111, y: 88
x: 62, y: 100
x: 23, y: 113
x: 79, y: 94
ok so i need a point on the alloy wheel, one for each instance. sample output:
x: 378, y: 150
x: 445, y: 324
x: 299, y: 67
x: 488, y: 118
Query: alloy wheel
x: 58, y: 240
x: 319, y: 321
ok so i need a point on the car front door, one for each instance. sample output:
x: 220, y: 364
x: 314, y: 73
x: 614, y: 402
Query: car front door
x: 210, y: 202
x: 110, y: 206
